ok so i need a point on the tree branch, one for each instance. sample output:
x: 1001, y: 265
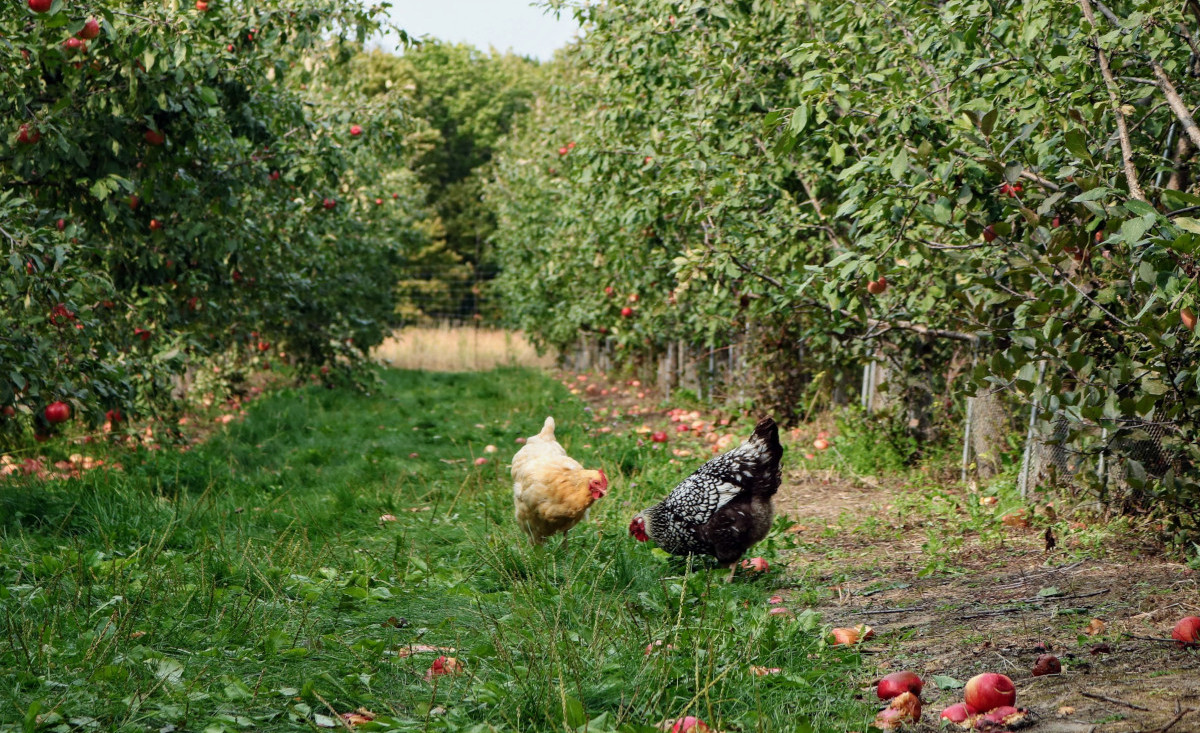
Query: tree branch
x: 1131, y: 176
x: 1180, y: 109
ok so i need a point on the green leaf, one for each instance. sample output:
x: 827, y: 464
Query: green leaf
x: 1076, y: 142
x: 947, y: 683
x: 1048, y: 592
x: 799, y: 120
x: 1187, y: 224
x: 900, y: 164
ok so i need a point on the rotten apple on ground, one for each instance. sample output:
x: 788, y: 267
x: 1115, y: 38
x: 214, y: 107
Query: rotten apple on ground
x: 988, y: 691
x: 756, y: 564
x: 897, y: 683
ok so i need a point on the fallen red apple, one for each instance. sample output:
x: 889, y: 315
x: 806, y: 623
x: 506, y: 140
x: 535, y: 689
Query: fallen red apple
x: 114, y: 416
x: 1187, y: 631
x: 956, y: 713
x: 658, y: 437
x: 681, y: 428
x: 988, y: 691
x: 388, y: 518
x: 757, y: 564
x: 480, y: 461
x: 355, y: 130
x: 1004, y: 716
x: 1047, y: 664
x: 821, y: 444
x: 896, y: 683
x: 443, y: 666
x: 690, y: 724
x: 850, y: 637
x: 904, y: 709
x: 564, y: 150
x: 57, y: 412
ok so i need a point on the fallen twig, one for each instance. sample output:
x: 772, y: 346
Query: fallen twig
x: 892, y: 610
x: 1113, y: 700
x: 1043, y: 599
x: 1178, y: 717
x: 1152, y: 638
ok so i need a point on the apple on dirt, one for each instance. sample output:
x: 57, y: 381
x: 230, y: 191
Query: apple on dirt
x: 988, y: 691
x: 1187, y: 632
x: 897, y: 683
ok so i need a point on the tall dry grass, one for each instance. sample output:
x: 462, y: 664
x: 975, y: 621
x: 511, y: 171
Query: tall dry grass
x: 459, y: 349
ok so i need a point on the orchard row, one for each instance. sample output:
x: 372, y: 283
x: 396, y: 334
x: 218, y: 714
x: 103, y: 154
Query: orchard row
x: 190, y: 188
x: 983, y: 196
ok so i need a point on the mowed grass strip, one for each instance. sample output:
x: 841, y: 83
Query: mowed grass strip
x: 250, y: 585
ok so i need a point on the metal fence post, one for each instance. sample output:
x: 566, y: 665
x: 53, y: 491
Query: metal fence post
x: 966, y: 454
x: 1023, y: 480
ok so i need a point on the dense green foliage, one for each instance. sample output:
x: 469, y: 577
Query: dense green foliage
x: 464, y: 102
x: 747, y: 167
x: 250, y: 584
x: 183, y: 186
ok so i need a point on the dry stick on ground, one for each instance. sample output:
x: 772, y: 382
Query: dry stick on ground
x: 1113, y: 700
x: 1131, y: 176
x: 1178, y: 717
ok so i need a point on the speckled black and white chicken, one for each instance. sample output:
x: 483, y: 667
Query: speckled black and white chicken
x: 724, y: 508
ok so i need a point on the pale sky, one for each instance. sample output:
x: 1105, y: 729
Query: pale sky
x: 504, y: 24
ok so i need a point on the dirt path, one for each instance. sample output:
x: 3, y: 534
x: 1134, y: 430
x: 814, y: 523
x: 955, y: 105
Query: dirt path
x: 950, y: 598
x: 996, y: 605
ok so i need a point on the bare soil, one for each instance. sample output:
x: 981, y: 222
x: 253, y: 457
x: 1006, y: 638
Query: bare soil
x: 984, y: 612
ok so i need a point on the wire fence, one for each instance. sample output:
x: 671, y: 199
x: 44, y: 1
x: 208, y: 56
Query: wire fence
x: 998, y: 427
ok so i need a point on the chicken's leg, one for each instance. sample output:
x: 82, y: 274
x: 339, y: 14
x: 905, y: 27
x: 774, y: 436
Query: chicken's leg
x: 732, y: 569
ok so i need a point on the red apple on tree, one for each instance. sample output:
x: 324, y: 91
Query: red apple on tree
x: 564, y: 150
x: 379, y: 202
x: 329, y: 203
x: 155, y: 225
x: 609, y: 290
x: 154, y: 137
x: 61, y: 224
x: 57, y: 412
x: 626, y: 312
x: 989, y: 233
x: 40, y: 6
x: 90, y: 30
x: 201, y: 6
x: 28, y: 134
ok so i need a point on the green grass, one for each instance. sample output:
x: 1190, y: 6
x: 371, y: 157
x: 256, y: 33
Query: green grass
x: 248, y: 584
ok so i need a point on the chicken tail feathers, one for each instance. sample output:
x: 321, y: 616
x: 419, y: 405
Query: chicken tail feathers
x: 769, y: 455
x: 548, y: 430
